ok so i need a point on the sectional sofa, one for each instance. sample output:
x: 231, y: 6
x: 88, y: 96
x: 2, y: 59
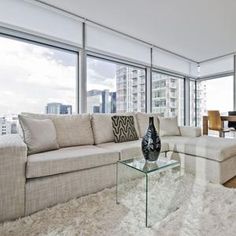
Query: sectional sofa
x: 85, y: 159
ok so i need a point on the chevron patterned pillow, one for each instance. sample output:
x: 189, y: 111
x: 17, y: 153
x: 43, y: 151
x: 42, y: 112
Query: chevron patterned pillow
x: 124, y: 129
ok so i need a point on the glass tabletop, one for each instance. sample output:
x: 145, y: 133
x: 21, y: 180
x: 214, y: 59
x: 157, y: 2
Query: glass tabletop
x: 147, y: 167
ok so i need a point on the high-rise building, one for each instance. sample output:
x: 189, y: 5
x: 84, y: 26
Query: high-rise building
x: 113, y: 102
x: 4, y: 126
x: 58, y: 108
x: 201, y: 102
x: 168, y: 96
x: 7, y: 125
x: 101, y: 101
x: 130, y: 89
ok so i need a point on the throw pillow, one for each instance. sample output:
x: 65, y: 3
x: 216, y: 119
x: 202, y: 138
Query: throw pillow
x: 124, y: 128
x: 71, y: 130
x: 39, y: 135
x: 169, y: 126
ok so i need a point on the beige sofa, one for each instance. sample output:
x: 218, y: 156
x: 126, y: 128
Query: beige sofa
x: 86, y: 160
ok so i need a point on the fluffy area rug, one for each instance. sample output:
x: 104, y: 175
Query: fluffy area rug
x: 179, y: 207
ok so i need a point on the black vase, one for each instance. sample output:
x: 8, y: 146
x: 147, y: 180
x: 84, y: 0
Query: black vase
x: 151, y: 143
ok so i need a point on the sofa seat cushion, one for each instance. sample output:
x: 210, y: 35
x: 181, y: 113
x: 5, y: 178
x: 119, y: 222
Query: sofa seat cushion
x: 68, y: 160
x: 213, y: 148
x: 128, y: 150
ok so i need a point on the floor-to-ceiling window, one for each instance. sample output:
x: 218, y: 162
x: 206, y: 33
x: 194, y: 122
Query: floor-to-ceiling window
x: 114, y: 87
x: 168, y: 96
x: 35, y: 78
x: 192, y: 104
x: 214, y: 94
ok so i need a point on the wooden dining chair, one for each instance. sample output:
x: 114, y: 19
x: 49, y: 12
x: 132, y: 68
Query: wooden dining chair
x: 216, y: 124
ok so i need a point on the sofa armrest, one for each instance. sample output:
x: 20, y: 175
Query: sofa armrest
x: 188, y: 131
x: 13, y: 156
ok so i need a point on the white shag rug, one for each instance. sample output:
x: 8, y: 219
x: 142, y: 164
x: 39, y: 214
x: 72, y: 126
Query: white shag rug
x: 194, y: 208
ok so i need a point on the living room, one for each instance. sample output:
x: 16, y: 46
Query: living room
x: 117, y: 117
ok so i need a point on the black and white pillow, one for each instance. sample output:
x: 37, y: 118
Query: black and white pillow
x: 123, y: 128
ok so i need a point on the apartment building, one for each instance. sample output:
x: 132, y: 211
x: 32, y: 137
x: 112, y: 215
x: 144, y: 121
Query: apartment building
x: 130, y: 89
x: 58, y: 108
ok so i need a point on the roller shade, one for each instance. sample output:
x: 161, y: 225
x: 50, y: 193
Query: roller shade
x: 37, y: 20
x: 107, y: 41
x: 169, y: 61
x: 224, y: 64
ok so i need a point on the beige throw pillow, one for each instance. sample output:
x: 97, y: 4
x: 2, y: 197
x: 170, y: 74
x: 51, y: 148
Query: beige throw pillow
x: 74, y: 130
x: 169, y: 126
x: 39, y: 135
x: 71, y: 130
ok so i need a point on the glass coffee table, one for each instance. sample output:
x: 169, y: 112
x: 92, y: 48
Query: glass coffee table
x: 137, y: 182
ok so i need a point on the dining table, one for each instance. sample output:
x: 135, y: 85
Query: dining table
x: 223, y: 119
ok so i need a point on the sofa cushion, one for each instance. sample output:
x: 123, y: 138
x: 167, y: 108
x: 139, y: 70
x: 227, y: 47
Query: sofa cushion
x: 127, y: 150
x: 68, y: 160
x: 72, y: 130
x: 212, y: 148
x: 143, y: 122
x: 130, y: 149
x: 169, y: 126
x: 39, y: 135
x: 124, y: 129
x: 102, y: 127
x: 189, y: 131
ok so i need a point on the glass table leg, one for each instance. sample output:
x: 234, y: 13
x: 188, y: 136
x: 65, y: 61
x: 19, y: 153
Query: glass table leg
x: 117, y: 182
x: 146, y: 216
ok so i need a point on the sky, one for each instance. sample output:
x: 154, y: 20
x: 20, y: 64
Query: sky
x: 32, y: 76
x: 219, y: 94
x: 101, y: 74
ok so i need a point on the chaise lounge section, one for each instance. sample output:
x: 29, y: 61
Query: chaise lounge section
x: 85, y: 161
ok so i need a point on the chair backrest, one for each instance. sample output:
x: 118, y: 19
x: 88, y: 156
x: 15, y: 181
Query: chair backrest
x: 232, y: 123
x: 214, y: 120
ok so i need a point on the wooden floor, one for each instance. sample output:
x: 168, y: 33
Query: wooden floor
x: 231, y: 183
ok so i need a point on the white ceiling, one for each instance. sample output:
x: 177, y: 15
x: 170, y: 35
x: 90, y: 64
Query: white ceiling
x: 197, y: 29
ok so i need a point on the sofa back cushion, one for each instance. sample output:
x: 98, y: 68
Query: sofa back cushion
x: 169, y: 126
x: 102, y: 127
x: 71, y: 130
x: 124, y: 129
x: 143, y: 122
x: 39, y: 135
x: 74, y: 130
